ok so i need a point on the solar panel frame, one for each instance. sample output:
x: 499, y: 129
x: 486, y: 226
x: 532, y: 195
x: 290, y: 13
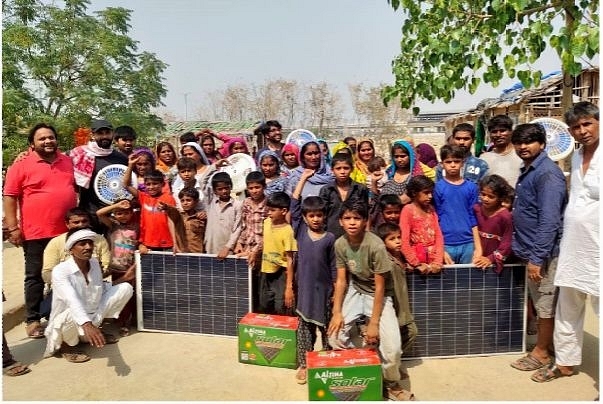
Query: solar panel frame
x: 465, y: 311
x: 191, y: 293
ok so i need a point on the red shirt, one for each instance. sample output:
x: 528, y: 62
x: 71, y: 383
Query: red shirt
x: 154, y: 230
x: 46, y: 191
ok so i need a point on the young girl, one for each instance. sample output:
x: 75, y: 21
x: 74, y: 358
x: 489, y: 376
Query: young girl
x: 494, y: 222
x: 404, y: 166
x: 141, y: 162
x: 123, y: 235
x: 290, y: 158
x: 422, y: 241
x: 315, y: 274
x: 270, y: 167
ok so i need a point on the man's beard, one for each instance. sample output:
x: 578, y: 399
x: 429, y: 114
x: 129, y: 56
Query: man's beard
x: 43, y: 153
x: 104, y: 143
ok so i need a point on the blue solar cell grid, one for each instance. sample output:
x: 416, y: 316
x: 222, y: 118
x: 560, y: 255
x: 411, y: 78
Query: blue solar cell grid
x: 192, y: 293
x: 466, y: 311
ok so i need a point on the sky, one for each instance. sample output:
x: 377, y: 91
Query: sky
x: 211, y: 44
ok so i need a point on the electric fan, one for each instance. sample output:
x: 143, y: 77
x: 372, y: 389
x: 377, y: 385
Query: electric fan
x: 108, y: 184
x: 559, y: 142
x: 299, y: 137
x: 240, y: 164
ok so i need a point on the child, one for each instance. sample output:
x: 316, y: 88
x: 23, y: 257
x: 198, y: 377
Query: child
x: 391, y: 236
x: 290, y: 158
x: 187, y: 168
x: 340, y: 190
x: 454, y: 198
x: 276, y: 278
x: 223, y: 217
x: 156, y: 229
x: 362, y: 257
x: 376, y: 167
x: 123, y: 231
x: 494, y: 222
x: 386, y: 211
x: 422, y: 240
x: 189, y: 223
x: 253, y: 213
x: 142, y: 161
x: 315, y: 277
x: 270, y: 167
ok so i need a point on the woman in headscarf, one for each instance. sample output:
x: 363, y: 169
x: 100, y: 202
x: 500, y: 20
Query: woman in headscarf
x: 166, y: 160
x: 269, y: 165
x: 208, y: 144
x: 233, y: 145
x: 324, y: 148
x: 404, y: 165
x: 427, y: 155
x: 365, y: 151
x: 310, y: 157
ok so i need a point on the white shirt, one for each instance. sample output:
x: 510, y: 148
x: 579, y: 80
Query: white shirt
x: 579, y: 255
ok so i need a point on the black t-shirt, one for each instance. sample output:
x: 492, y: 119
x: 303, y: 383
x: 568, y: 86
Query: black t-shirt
x: 88, y: 198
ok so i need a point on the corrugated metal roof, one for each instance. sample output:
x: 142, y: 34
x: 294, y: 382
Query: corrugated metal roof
x: 218, y: 126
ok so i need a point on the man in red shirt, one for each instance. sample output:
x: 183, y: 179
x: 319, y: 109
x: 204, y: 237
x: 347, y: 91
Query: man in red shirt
x: 39, y: 188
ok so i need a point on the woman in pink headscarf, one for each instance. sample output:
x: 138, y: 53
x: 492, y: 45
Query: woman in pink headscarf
x: 289, y: 158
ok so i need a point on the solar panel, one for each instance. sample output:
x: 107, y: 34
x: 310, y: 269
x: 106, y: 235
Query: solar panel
x: 191, y: 293
x: 466, y: 311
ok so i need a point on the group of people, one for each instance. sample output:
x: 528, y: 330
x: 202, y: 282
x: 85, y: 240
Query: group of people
x: 328, y: 232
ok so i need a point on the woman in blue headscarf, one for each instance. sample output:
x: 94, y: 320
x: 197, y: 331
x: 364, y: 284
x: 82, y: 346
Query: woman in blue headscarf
x: 324, y: 148
x: 404, y: 166
x: 269, y: 165
x: 310, y: 158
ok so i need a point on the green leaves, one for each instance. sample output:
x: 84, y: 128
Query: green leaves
x: 457, y: 44
x: 64, y: 66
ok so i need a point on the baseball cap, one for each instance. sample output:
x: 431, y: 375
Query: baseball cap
x: 98, y: 124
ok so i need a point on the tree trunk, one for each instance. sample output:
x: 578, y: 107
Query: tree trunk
x: 568, y: 81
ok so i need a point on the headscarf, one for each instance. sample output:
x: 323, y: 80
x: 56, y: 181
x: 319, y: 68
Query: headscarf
x: 159, y: 164
x: 226, y: 146
x: 199, y: 150
x: 83, y: 234
x: 415, y: 166
x: 290, y: 148
x: 147, y: 152
x: 328, y: 156
x: 321, y: 177
x: 362, y: 166
x: 427, y: 155
x: 271, y: 153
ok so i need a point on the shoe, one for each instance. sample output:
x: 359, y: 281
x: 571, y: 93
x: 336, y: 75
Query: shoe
x: 301, y: 376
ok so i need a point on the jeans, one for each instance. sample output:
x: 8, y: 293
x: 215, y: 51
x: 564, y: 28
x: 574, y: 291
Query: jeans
x: 33, y: 251
x: 460, y: 254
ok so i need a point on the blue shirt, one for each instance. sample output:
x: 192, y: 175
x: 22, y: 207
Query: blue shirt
x: 540, y: 198
x: 454, y: 206
x: 474, y: 169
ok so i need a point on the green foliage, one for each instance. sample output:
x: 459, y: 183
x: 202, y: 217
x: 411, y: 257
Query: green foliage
x: 457, y: 44
x: 64, y: 66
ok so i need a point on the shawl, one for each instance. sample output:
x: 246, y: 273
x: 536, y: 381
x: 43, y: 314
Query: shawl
x: 83, y: 161
x: 328, y: 155
x: 272, y: 154
x: 322, y: 176
x: 225, y: 149
x: 427, y: 155
x: 199, y: 150
x: 361, y: 165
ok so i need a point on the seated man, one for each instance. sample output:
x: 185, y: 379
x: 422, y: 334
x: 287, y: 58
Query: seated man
x: 81, y: 300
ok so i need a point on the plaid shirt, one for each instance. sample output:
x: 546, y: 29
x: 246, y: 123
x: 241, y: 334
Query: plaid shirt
x: 253, y: 215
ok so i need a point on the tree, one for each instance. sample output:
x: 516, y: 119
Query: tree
x: 369, y: 109
x: 65, y: 66
x: 451, y: 45
x: 324, y: 106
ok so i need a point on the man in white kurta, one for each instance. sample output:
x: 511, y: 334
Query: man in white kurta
x: 81, y: 300
x: 578, y: 267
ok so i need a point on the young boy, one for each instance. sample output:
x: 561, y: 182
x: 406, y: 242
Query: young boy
x: 223, y: 217
x: 390, y: 234
x: 362, y: 257
x: 123, y: 231
x: 189, y: 223
x: 376, y: 167
x: 276, y: 277
x: 187, y: 168
x: 253, y: 213
x: 156, y: 228
x: 454, y: 198
x: 340, y: 190
x: 388, y: 210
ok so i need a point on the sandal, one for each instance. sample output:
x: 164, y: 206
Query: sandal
x: 399, y: 394
x: 529, y: 363
x: 546, y: 374
x: 301, y: 376
x: 75, y: 357
x: 34, y: 330
x: 15, y: 369
x: 110, y: 338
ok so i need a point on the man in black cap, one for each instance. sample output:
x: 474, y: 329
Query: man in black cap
x: 88, y: 160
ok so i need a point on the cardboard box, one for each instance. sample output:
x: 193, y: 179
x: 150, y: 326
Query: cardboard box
x: 268, y: 340
x: 346, y: 375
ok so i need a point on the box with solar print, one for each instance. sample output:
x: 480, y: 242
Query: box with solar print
x: 346, y: 375
x: 268, y: 340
